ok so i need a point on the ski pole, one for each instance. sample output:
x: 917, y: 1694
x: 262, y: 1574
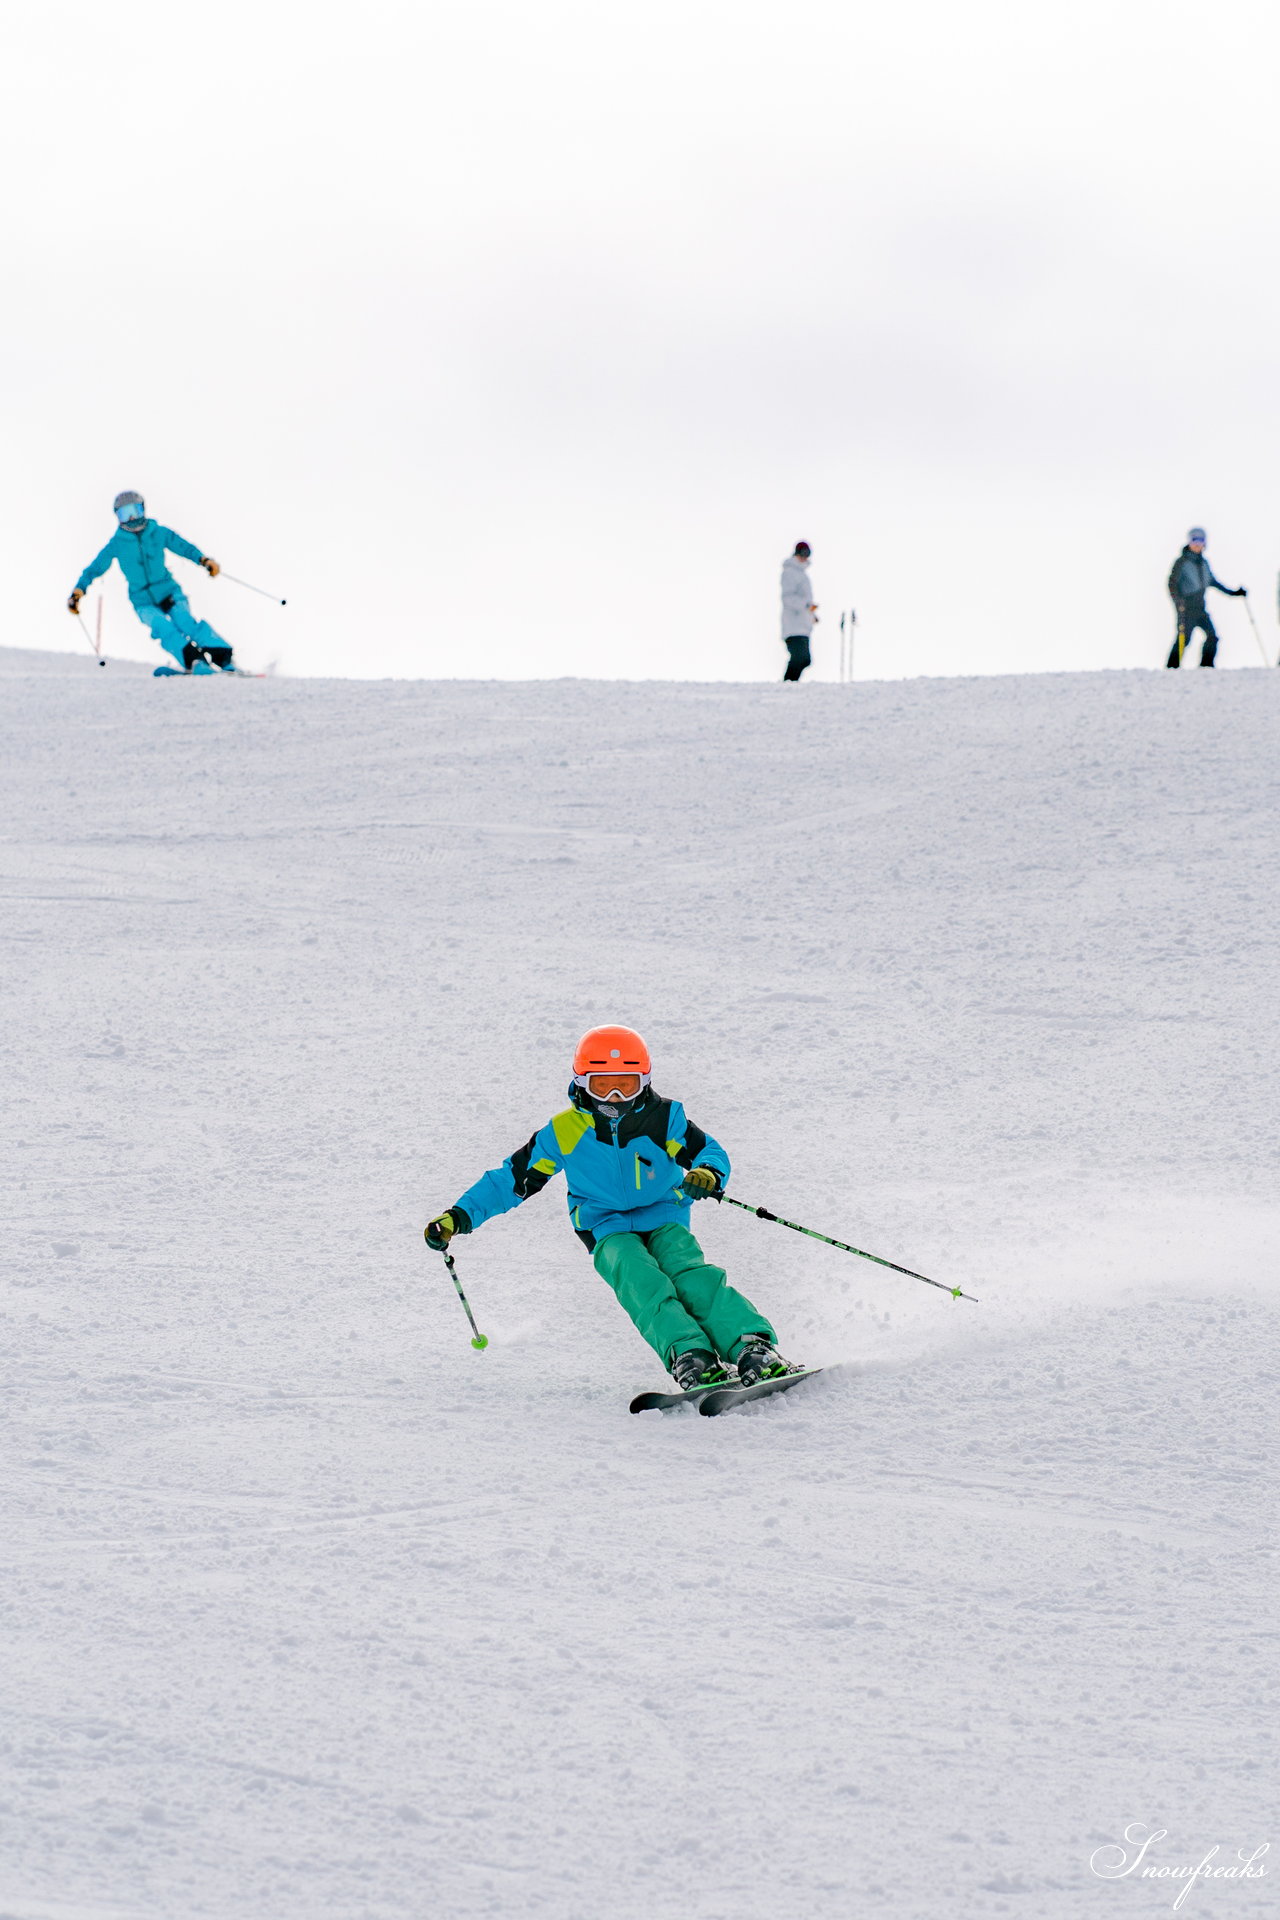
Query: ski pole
x: 89, y: 637
x: 481, y: 1340
x: 763, y: 1213
x: 252, y: 588
x: 1257, y: 636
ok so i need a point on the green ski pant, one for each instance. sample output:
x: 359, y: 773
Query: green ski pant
x: 676, y: 1300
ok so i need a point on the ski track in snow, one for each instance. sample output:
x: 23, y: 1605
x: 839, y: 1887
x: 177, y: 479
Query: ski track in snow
x: 309, y: 1610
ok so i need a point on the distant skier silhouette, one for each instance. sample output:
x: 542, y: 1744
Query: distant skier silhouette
x: 799, y: 613
x: 1190, y: 578
x: 140, y: 545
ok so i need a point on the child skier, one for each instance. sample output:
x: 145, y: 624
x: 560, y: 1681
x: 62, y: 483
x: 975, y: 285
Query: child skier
x: 634, y: 1166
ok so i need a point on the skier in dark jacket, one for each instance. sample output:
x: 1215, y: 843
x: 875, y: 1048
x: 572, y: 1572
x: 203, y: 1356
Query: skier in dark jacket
x: 140, y: 545
x: 1190, y: 578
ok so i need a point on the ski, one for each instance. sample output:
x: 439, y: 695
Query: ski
x: 724, y: 1399
x: 648, y: 1402
x: 226, y: 673
x: 713, y: 1400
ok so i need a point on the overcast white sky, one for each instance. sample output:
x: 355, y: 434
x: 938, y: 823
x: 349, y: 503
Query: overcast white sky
x: 511, y: 339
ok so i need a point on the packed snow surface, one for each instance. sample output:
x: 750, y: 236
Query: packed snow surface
x: 311, y: 1610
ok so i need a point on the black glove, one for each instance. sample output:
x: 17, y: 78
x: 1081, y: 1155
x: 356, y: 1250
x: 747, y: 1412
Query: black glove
x: 1240, y: 593
x: 77, y: 595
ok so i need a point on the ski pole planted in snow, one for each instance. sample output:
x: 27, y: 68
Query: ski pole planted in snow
x: 248, y: 583
x: 846, y: 645
x: 763, y: 1213
x: 481, y: 1340
x: 1257, y: 636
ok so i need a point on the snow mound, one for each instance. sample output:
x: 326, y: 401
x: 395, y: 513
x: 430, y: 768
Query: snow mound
x: 313, y: 1610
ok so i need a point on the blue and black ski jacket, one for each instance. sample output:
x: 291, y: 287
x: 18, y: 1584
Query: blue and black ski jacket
x: 1191, y: 577
x: 624, y: 1175
x: 140, y: 552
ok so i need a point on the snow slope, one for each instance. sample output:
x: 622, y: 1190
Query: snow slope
x: 309, y: 1610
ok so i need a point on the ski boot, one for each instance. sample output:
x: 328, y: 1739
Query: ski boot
x: 758, y: 1361
x: 698, y: 1369
x: 198, y: 659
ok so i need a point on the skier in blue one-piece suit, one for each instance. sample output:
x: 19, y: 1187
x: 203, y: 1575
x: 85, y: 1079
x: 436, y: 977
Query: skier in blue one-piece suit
x: 139, y: 545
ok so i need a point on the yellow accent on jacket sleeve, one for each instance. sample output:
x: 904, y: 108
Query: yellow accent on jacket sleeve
x: 545, y: 1166
x: 674, y: 1147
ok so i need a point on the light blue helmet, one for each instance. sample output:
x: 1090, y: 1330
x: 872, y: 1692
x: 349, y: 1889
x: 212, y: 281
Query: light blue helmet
x: 1197, y: 533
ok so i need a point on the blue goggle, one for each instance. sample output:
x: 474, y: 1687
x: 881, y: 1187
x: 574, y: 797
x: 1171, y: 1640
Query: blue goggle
x: 136, y: 511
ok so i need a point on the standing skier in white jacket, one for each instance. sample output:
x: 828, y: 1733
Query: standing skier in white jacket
x: 799, y: 612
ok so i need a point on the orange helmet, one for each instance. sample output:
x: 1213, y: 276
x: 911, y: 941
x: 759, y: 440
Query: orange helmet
x: 612, y: 1063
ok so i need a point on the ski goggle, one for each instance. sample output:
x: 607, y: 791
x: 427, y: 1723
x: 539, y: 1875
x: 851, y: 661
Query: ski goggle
x: 127, y: 516
x: 612, y: 1086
